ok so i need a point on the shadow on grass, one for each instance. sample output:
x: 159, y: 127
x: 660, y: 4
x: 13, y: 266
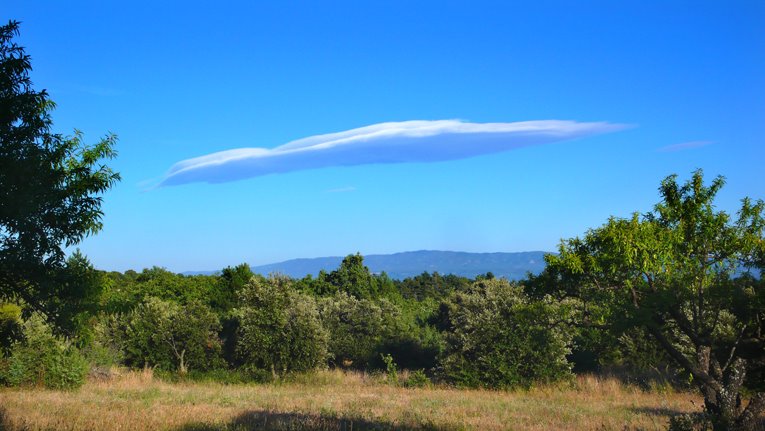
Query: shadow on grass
x: 5, y: 421
x: 657, y: 411
x: 670, y: 413
x: 276, y: 421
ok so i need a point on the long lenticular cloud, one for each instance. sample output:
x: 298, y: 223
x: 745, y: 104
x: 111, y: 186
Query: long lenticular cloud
x: 394, y: 142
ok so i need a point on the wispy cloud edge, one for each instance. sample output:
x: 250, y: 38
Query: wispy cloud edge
x: 416, y: 141
x: 684, y: 146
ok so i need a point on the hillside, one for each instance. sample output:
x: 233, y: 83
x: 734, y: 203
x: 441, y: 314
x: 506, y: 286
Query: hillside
x: 407, y: 264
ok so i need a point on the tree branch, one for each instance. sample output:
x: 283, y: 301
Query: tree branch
x: 697, y: 373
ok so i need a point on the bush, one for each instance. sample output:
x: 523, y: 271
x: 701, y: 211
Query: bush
x: 279, y: 328
x: 690, y: 422
x: 10, y: 327
x: 168, y: 336
x: 497, y: 337
x: 357, y: 328
x: 391, y: 370
x: 43, y: 360
x: 417, y: 379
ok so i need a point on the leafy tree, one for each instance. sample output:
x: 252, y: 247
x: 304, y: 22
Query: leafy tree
x: 358, y: 328
x: 122, y: 293
x: 170, y: 336
x: 279, y: 328
x: 232, y: 280
x: 497, y: 337
x: 50, y: 188
x: 675, y: 273
x: 435, y: 285
x: 352, y: 276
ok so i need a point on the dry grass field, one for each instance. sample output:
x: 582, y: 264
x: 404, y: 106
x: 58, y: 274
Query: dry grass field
x: 333, y: 400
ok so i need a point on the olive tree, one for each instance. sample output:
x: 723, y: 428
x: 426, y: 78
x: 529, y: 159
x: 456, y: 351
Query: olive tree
x: 681, y: 273
x: 170, y: 336
x: 357, y: 328
x: 279, y: 328
x: 498, y: 337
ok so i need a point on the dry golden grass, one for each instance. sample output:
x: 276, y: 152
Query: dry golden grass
x: 333, y: 400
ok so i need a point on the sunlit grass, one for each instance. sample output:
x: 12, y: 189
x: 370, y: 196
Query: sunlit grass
x: 335, y: 400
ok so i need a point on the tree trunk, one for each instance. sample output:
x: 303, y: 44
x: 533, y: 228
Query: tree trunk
x: 748, y: 419
x: 182, y: 365
x: 724, y: 406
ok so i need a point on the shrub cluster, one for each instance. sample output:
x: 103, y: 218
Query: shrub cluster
x: 41, y: 359
x: 238, y: 326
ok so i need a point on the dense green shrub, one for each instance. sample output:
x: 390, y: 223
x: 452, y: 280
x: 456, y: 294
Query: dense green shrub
x: 417, y: 343
x: 168, y: 336
x: 11, y: 329
x: 497, y: 337
x: 41, y: 359
x: 357, y: 328
x: 351, y: 277
x: 417, y: 379
x: 279, y: 328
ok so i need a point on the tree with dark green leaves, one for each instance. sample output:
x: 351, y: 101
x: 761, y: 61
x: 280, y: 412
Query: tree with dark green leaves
x: 279, y: 328
x: 353, y: 277
x: 50, y: 193
x: 358, y: 328
x: 682, y: 274
x: 169, y: 336
x: 498, y: 337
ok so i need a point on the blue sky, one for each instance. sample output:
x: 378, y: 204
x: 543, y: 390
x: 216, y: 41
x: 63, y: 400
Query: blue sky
x: 181, y: 80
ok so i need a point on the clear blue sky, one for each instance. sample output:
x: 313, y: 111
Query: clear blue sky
x: 177, y: 80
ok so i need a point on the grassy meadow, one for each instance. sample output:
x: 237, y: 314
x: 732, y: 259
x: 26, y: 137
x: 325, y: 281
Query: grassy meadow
x: 336, y: 400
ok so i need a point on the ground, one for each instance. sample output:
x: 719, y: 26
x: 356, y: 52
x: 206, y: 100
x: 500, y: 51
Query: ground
x: 335, y: 400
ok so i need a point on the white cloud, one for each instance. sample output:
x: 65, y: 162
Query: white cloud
x: 395, y: 142
x: 684, y: 146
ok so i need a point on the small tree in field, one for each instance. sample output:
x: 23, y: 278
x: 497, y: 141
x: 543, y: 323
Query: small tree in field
x: 679, y: 273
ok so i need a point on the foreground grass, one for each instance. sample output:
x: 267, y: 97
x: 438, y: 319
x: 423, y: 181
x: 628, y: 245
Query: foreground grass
x: 333, y: 400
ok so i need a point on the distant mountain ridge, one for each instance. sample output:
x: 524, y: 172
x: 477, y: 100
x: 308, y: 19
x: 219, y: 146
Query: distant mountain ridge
x: 411, y: 263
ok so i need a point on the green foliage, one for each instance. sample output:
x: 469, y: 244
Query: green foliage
x: 351, y: 277
x: 675, y: 273
x: 169, y: 336
x: 42, y: 359
x: 432, y: 286
x: 279, y: 328
x: 417, y: 379
x: 690, y: 422
x: 357, y: 328
x: 391, y: 370
x: 11, y: 329
x: 126, y: 291
x: 232, y: 281
x: 497, y: 337
x: 50, y: 187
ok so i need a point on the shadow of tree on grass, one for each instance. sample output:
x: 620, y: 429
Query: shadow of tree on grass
x: 277, y: 421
